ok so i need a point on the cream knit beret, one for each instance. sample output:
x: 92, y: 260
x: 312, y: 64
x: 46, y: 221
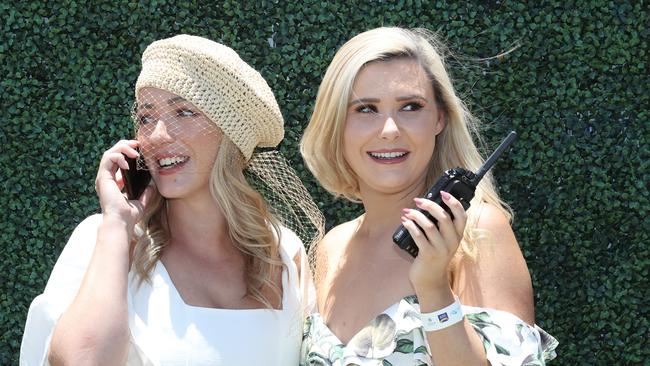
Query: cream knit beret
x: 213, y: 78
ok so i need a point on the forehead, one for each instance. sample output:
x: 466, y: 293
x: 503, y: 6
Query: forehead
x: 155, y: 96
x: 398, y: 75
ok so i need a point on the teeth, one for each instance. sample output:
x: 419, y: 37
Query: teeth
x: 387, y: 155
x: 165, y: 162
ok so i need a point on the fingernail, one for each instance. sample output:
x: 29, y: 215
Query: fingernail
x: 418, y: 201
x: 406, y: 210
x: 445, y: 195
x: 403, y: 219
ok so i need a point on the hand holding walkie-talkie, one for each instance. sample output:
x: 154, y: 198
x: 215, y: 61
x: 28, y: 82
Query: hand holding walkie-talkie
x: 460, y: 183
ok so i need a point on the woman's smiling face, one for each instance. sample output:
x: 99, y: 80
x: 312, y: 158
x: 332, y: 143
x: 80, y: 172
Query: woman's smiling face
x: 391, y: 125
x: 178, y: 142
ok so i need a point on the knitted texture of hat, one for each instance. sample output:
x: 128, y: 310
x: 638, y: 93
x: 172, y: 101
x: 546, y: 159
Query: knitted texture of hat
x: 218, y: 82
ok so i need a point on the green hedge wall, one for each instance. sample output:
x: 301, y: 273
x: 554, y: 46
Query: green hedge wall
x: 574, y: 87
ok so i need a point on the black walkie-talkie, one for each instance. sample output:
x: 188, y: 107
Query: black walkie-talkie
x: 460, y: 183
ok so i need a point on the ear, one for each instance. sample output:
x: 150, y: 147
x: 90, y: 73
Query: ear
x: 441, y: 121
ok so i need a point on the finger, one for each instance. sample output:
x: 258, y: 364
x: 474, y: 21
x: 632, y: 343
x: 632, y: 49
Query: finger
x: 112, y: 160
x: 460, y: 216
x: 431, y: 232
x: 119, y: 179
x: 424, y: 246
x: 127, y: 147
x: 141, y: 203
x: 445, y: 222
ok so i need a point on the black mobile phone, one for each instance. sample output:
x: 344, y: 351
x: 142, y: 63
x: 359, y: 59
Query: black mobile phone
x: 460, y: 183
x: 135, y: 180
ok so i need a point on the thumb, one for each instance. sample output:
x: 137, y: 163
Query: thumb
x: 147, y: 196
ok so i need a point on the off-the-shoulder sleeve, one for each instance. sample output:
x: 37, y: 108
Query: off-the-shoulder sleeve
x: 510, y: 341
x: 295, y: 248
x: 61, y: 288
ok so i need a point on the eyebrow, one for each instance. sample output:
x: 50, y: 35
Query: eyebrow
x: 170, y: 101
x: 364, y: 101
x: 175, y: 100
x: 412, y: 96
x: 376, y: 100
x: 145, y: 106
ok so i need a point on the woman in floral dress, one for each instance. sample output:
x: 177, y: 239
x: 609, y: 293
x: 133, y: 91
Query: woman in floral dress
x: 386, y: 124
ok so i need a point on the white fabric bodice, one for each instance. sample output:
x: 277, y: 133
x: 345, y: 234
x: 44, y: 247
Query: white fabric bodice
x: 164, y: 329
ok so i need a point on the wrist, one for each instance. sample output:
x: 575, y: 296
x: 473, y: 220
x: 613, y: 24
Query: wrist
x: 115, y: 224
x: 115, y: 220
x: 433, y: 298
x: 442, y: 318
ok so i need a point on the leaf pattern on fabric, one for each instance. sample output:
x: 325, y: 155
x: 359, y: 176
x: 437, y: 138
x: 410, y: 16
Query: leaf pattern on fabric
x: 376, y: 340
x: 396, y: 338
x: 502, y: 350
x: 404, y: 346
x: 421, y: 349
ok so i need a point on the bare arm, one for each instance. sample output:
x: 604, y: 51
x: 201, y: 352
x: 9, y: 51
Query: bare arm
x: 94, y: 328
x: 499, y: 277
x: 457, y: 344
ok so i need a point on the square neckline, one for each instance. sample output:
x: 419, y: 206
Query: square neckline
x: 162, y: 270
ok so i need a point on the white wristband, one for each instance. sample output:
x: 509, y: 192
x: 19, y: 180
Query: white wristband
x: 442, y: 318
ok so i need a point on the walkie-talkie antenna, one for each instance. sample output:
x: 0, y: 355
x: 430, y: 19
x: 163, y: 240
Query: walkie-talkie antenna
x: 495, y: 155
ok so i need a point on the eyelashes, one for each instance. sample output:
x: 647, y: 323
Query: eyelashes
x: 180, y: 113
x: 371, y: 108
x: 366, y: 108
x: 413, y: 106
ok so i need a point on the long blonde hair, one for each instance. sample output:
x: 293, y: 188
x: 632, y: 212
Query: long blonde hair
x: 322, y: 143
x: 251, y: 226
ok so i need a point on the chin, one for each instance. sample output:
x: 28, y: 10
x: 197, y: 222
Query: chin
x: 182, y: 191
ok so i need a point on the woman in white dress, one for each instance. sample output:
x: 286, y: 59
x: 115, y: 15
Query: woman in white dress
x: 386, y: 124
x: 200, y: 269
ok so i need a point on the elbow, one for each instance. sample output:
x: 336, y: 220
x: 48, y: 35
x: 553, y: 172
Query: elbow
x: 87, y: 350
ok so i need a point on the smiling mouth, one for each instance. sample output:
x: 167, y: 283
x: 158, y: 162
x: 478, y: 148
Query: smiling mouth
x: 168, y: 163
x: 387, y: 155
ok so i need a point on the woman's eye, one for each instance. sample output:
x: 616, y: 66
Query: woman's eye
x: 366, y: 109
x: 412, y: 107
x: 185, y: 113
x: 145, y: 119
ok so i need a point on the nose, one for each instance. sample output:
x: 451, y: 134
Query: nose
x: 160, y: 133
x: 389, y: 130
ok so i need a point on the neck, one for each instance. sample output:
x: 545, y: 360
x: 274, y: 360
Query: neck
x: 383, y: 211
x: 199, y: 226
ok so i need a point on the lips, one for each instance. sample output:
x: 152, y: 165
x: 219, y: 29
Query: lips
x: 388, y: 156
x: 170, y: 164
x: 165, y: 163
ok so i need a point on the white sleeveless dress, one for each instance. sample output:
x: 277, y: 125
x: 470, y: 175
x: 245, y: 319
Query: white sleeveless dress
x: 165, y: 330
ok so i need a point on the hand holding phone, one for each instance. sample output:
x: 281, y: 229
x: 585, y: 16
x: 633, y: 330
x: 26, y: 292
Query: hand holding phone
x: 460, y: 183
x: 135, y: 180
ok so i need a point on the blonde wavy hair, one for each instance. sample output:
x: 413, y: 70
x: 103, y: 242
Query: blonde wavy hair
x: 322, y: 143
x: 251, y: 226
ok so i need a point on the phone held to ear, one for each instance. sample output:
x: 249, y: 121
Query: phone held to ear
x: 460, y: 183
x: 135, y: 180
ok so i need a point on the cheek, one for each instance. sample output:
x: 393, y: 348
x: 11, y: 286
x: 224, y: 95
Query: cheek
x: 353, y: 137
x: 206, y: 149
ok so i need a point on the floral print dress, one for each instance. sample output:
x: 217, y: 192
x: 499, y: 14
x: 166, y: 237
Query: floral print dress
x: 395, y: 337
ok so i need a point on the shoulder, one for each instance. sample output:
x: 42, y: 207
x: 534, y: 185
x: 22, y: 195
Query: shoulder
x: 495, y: 238
x: 82, y: 240
x: 88, y: 226
x: 290, y: 242
x: 76, y: 254
x: 336, y: 239
x: 492, y: 218
x: 498, y: 277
